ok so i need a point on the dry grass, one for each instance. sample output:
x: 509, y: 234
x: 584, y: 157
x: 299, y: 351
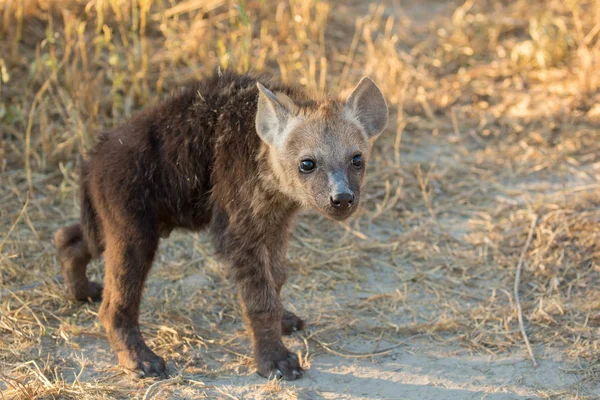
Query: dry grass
x: 495, y: 113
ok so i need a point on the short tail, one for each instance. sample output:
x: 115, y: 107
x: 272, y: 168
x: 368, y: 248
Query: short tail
x: 90, y: 224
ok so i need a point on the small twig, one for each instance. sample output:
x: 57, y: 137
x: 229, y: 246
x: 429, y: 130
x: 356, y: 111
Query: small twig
x: 517, y: 281
x: 150, y: 391
x: 356, y: 233
x: 365, y: 355
x: 455, y: 123
x: 177, y: 379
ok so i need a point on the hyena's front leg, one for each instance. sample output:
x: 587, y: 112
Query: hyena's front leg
x: 264, y: 312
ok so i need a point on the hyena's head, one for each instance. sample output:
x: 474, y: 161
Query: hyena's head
x: 319, y: 152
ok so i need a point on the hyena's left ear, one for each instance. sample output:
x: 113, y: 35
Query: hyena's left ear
x: 367, y: 105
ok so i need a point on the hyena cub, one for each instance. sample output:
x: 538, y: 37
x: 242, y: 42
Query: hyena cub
x: 232, y: 156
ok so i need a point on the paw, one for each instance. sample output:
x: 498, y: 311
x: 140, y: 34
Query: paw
x: 144, y: 364
x: 286, y: 367
x: 290, y: 323
x: 152, y: 367
x: 87, y: 291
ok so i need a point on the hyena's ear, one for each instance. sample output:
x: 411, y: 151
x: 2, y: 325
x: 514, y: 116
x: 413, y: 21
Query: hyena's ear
x: 367, y: 105
x: 273, y: 115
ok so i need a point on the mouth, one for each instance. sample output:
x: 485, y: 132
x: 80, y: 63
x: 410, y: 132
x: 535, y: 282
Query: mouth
x: 337, y: 214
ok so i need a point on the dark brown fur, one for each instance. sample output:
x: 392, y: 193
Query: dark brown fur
x: 192, y: 162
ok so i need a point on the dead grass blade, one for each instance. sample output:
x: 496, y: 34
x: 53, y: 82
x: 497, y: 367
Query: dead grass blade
x: 516, y: 289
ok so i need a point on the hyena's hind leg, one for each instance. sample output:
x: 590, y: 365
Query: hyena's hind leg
x: 290, y: 322
x: 74, y: 256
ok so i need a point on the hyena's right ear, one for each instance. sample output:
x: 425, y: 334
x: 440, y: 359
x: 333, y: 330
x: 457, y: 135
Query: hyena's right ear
x: 274, y: 114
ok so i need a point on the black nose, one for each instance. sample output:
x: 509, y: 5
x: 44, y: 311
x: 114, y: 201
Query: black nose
x: 342, y: 200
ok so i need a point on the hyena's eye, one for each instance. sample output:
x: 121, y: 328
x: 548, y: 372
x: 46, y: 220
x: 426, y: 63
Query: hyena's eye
x: 357, y: 161
x: 307, y: 166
